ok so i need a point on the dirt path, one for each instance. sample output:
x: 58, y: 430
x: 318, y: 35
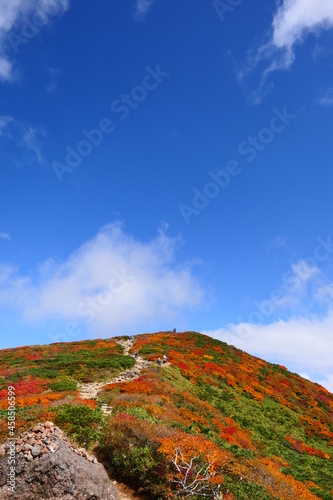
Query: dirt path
x: 127, y: 493
x: 91, y: 391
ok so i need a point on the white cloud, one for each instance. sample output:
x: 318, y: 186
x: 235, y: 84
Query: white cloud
x: 326, y: 99
x: 303, y: 345
x: 299, y: 285
x: 26, y: 136
x: 31, y: 140
x: 292, y: 22
x: 15, y: 16
x: 297, y: 18
x: 302, y: 340
x: 304, y: 272
x: 142, y: 8
x: 5, y: 236
x: 112, y: 281
x: 324, y: 294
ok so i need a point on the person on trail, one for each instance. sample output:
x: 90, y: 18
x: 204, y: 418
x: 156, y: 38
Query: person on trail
x: 136, y: 354
x: 132, y: 339
x: 164, y: 358
x: 159, y: 362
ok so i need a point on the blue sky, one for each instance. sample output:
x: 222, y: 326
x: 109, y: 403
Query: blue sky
x: 164, y: 165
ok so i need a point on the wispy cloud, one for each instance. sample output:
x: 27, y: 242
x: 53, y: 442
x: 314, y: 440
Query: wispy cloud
x: 31, y: 140
x: 54, y: 74
x: 4, y: 122
x: 278, y: 242
x: 326, y: 98
x: 324, y: 294
x: 113, y: 282
x: 142, y: 8
x: 25, y: 136
x: 292, y: 22
x: 5, y: 236
x: 14, y: 16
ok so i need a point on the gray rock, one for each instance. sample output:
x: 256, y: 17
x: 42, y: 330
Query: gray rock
x: 60, y: 475
x: 35, y: 451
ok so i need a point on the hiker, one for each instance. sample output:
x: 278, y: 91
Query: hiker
x: 159, y: 362
x: 174, y: 330
x: 132, y: 339
x: 136, y: 354
x: 164, y: 358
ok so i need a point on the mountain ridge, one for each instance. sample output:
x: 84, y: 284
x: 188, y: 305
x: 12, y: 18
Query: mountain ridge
x: 262, y: 431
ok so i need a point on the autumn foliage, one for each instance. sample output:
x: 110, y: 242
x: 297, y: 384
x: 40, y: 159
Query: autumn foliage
x: 220, y: 396
x: 214, y: 418
x: 35, y: 370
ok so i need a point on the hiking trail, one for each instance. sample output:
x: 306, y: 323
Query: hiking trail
x: 91, y: 390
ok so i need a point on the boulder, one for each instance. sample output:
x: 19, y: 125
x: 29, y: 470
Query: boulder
x: 64, y: 473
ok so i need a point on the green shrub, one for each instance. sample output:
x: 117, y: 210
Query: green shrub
x: 245, y: 490
x: 82, y: 423
x: 63, y: 385
x: 44, y: 373
x: 150, y: 349
x: 131, y: 445
x: 139, y: 412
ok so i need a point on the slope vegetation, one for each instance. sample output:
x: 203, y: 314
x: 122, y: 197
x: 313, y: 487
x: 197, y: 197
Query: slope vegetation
x: 213, y: 421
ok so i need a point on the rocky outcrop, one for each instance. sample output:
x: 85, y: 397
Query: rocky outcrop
x: 48, y: 466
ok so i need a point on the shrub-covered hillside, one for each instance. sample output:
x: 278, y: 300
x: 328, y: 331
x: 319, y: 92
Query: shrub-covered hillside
x: 212, y: 421
x: 45, y: 380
